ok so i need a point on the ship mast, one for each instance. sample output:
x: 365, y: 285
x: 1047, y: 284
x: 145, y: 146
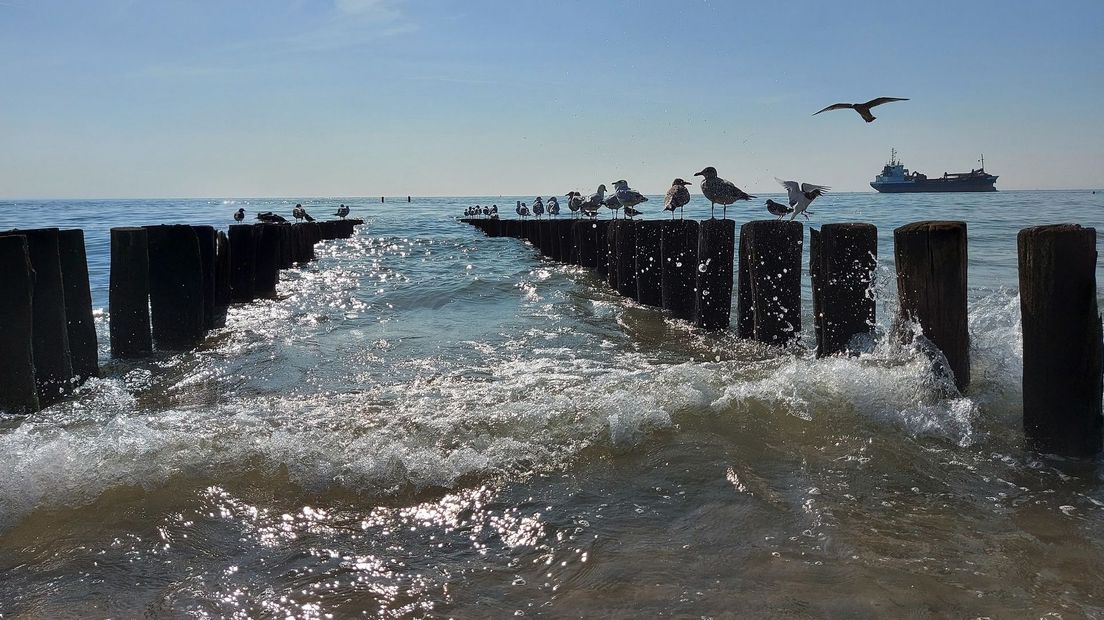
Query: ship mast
x: 982, y: 160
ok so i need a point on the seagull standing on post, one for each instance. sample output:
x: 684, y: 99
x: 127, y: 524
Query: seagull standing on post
x: 719, y: 191
x: 553, y: 206
x: 677, y: 197
x: 538, y: 207
x: 862, y: 108
x: 574, y: 202
x: 239, y: 215
x: 801, y: 196
x: 594, y: 201
x: 627, y: 198
x: 778, y: 209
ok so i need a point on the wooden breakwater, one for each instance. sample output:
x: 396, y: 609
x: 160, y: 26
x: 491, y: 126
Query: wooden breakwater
x: 1063, y: 377
x: 169, y: 286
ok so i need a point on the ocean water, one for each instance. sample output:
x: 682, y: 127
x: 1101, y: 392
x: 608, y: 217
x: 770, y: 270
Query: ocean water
x: 431, y: 423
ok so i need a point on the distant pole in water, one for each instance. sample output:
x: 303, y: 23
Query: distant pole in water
x: 381, y: 198
x: 1062, y: 346
x: 408, y: 198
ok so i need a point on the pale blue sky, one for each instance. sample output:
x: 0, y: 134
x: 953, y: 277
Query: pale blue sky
x: 118, y: 98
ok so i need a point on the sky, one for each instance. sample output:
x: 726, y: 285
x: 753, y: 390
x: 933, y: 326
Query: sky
x: 237, y: 98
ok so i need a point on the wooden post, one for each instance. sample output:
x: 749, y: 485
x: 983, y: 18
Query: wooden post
x: 679, y: 272
x: 842, y: 260
x: 243, y: 250
x: 1061, y: 339
x: 223, y: 275
x: 564, y: 240
x: 208, y: 240
x: 626, y: 258
x: 50, y: 331
x: 931, y: 285
x: 176, y: 287
x: 18, y: 392
x: 266, y: 262
x: 769, y: 301
x: 83, y: 347
x: 649, y: 263
x: 586, y: 243
x: 544, y: 237
x: 287, y: 258
x: 314, y: 235
x: 128, y: 296
x: 713, y: 283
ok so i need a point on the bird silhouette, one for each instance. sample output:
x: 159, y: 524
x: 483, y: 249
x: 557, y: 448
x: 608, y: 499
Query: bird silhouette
x: 574, y: 202
x: 862, y: 108
x: 719, y: 191
x: 342, y: 211
x: 594, y: 201
x: 239, y: 215
x: 271, y: 218
x: 778, y: 209
x: 553, y: 206
x: 677, y: 197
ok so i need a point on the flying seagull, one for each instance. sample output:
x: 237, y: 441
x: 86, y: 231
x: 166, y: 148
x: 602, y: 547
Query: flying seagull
x: 862, y: 108
x: 801, y: 196
x: 677, y: 197
x: 719, y: 191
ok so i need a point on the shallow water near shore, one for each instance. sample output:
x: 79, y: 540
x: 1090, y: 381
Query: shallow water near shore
x: 431, y: 423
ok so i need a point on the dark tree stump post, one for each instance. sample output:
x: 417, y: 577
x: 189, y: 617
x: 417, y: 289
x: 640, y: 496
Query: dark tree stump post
x: 931, y: 284
x: 1062, y: 346
x: 128, y: 303
x: 176, y: 287
x: 243, y: 250
x: 649, y: 263
x: 842, y: 260
x: 626, y: 258
x: 208, y: 248
x: 18, y: 391
x: 713, y: 283
x: 769, y: 300
x: 679, y: 271
x: 49, y: 329
x: 223, y: 275
x: 267, y: 259
x: 83, y: 346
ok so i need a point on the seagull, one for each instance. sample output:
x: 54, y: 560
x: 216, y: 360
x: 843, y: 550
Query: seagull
x: 538, y: 207
x: 627, y: 197
x: 611, y: 202
x: 239, y: 215
x: 862, y: 108
x: 719, y: 191
x: 486, y: 211
x: 594, y: 201
x: 574, y: 202
x: 778, y: 209
x: 299, y: 213
x: 271, y: 218
x: 523, y: 210
x: 631, y: 212
x: 801, y: 196
x: 342, y: 211
x: 553, y: 206
x: 494, y: 209
x: 677, y: 197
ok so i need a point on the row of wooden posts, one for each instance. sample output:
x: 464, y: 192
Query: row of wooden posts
x: 170, y: 284
x: 686, y: 268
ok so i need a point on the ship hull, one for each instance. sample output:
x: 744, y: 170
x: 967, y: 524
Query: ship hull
x: 933, y: 185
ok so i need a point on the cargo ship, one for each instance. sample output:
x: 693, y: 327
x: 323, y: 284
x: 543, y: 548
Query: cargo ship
x: 896, y: 179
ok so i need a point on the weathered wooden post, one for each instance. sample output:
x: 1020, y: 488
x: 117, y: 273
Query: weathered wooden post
x: 176, y: 287
x: 223, y: 275
x: 314, y: 235
x: 586, y: 243
x: 287, y: 251
x: 626, y: 258
x: 128, y: 295
x: 564, y: 241
x: 83, y: 347
x: 679, y: 270
x: 49, y: 329
x: 649, y: 262
x: 266, y: 272
x: 18, y: 392
x: 544, y: 237
x: 931, y: 286
x: 602, y: 247
x: 1062, y: 346
x: 842, y: 260
x: 328, y: 230
x: 208, y: 240
x: 243, y: 250
x: 769, y: 298
x: 713, y: 283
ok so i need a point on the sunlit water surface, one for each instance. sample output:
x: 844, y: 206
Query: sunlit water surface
x: 431, y: 423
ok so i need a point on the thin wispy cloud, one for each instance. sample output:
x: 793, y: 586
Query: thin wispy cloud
x: 372, y: 9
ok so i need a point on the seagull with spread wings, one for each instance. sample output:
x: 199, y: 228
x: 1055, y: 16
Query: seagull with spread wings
x: 801, y: 196
x: 862, y: 108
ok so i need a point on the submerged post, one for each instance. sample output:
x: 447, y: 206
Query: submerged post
x: 176, y: 287
x: 626, y: 258
x: 679, y: 271
x: 243, y: 248
x: 842, y: 259
x: 49, y: 329
x: 649, y: 263
x: 769, y: 299
x: 83, y: 347
x: 1062, y: 345
x: 128, y: 296
x: 931, y: 285
x: 713, y: 280
x: 18, y: 393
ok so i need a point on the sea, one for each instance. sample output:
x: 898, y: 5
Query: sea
x: 430, y: 423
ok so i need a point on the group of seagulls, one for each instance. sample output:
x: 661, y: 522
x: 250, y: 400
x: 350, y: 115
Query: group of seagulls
x: 491, y: 211
x: 298, y: 212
